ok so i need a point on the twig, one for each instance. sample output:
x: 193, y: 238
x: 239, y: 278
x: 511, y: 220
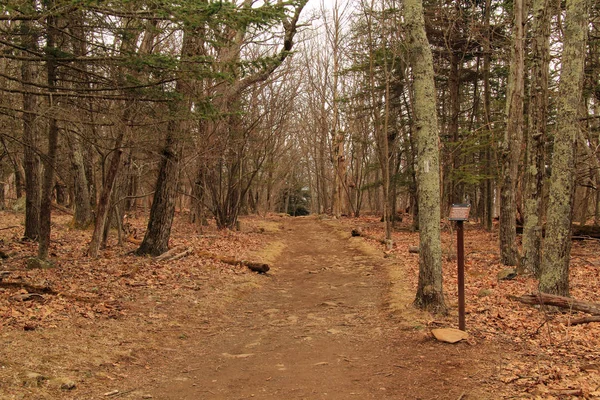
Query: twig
x: 585, y: 320
x: 10, y: 227
x: 566, y: 392
x: 123, y: 393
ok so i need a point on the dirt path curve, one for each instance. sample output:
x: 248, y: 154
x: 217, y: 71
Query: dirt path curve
x: 318, y: 329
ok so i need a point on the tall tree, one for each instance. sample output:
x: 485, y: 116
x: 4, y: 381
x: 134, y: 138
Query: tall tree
x: 156, y: 238
x: 83, y: 216
x: 554, y: 277
x: 430, y: 294
x: 536, y: 137
x: 226, y: 178
x: 513, y: 136
x: 52, y: 50
x: 334, y: 38
x: 30, y: 138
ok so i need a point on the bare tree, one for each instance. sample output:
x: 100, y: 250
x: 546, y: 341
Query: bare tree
x: 513, y: 137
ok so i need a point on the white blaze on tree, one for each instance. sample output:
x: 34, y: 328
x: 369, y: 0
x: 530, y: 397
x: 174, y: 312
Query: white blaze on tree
x: 429, y: 292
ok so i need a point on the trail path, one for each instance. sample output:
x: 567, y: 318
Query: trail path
x: 318, y: 329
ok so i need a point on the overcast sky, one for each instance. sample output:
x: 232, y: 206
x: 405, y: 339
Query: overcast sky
x: 315, y: 4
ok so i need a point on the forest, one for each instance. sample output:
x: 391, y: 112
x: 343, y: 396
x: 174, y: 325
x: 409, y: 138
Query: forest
x: 190, y: 132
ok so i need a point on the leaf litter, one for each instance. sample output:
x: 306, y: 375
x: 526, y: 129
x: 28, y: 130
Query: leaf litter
x: 98, y: 321
x: 554, y: 359
x: 95, y: 319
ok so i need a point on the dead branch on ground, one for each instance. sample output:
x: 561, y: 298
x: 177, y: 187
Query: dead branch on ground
x: 559, y: 301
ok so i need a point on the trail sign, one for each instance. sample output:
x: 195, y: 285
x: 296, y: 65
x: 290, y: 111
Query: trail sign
x: 459, y: 212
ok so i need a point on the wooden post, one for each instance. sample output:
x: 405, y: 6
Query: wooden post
x: 460, y: 248
x: 460, y: 213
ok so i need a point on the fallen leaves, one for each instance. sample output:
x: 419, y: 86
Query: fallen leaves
x: 80, y: 293
x: 99, y: 288
x: 553, y: 354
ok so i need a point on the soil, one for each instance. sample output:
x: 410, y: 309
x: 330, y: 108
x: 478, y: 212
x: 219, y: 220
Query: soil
x: 318, y: 329
x: 324, y: 323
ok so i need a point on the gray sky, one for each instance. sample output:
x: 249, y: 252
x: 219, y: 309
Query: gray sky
x: 315, y: 4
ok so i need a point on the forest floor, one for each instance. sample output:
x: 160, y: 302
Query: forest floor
x: 331, y: 320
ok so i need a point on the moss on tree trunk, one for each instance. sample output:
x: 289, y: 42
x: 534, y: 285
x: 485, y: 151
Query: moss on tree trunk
x: 554, y: 276
x: 429, y: 292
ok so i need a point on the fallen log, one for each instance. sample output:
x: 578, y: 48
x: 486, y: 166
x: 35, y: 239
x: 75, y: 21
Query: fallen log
x: 179, y: 252
x: 590, y: 231
x: 578, y: 232
x: 4, y: 274
x: 584, y: 320
x: 566, y: 392
x: 28, y: 297
x: 63, y: 209
x: 261, y: 268
x: 169, y: 254
x: 183, y: 254
x: 559, y: 301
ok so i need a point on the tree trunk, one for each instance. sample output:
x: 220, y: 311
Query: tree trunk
x: 30, y: 145
x: 554, y: 277
x: 511, y: 152
x: 455, y: 194
x: 536, y: 138
x: 103, y: 206
x: 429, y: 292
x: 156, y: 239
x: 488, y: 192
x: 80, y: 186
x: 50, y: 158
x: 83, y: 210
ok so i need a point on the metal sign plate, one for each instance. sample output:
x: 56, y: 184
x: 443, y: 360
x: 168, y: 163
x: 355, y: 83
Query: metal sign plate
x: 459, y: 212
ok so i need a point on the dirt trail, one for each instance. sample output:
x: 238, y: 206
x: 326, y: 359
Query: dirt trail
x: 318, y: 329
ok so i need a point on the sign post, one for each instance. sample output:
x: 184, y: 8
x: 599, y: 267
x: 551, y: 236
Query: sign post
x: 460, y: 213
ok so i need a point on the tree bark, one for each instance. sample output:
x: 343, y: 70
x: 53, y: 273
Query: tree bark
x: 511, y: 152
x: 430, y: 291
x: 30, y: 144
x: 554, y: 277
x: 81, y: 194
x: 536, y: 138
x: 103, y: 206
x: 83, y: 210
x: 488, y: 192
x: 156, y: 239
x: 50, y: 158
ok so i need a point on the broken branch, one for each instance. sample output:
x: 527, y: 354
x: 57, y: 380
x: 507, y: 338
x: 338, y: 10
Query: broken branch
x: 253, y: 266
x: 559, y: 301
x: 585, y: 320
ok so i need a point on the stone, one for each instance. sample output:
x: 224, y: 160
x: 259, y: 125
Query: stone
x: 33, y: 379
x: 36, y: 263
x: 507, y: 274
x: 64, y: 383
x: 449, y: 335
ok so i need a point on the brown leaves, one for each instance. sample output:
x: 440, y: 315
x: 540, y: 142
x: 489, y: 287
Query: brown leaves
x: 551, y: 354
x: 100, y: 288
